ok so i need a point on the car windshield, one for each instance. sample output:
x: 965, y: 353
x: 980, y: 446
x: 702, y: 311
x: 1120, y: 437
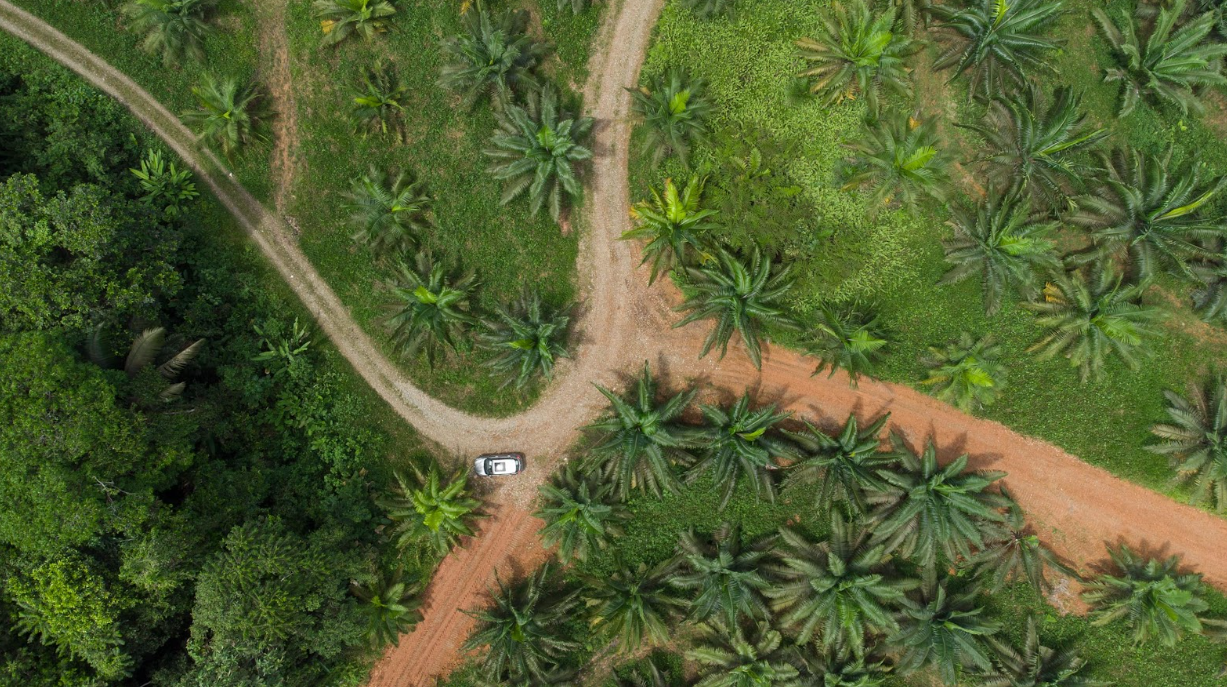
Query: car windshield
x: 489, y: 466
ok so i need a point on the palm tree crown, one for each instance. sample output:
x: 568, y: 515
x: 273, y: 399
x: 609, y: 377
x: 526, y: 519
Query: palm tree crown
x: 674, y: 225
x: 738, y: 442
x: 427, y: 509
x: 1150, y: 594
x: 943, y: 632
x: 996, y: 41
x: 340, y: 19
x: 729, y: 658
x: 431, y: 312
x: 725, y: 578
x: 580, y: 514
x: 967, y: 373
x: 379, y: 106
x: 898, y: 158
x: 174, y: 28
x: 1196, y: 440
x: 843, y: 467
x: 390, y: 605
x: 494, y: 57
x: 1012, y: 552
x: 522, y: 628
x: 526, y: 339
x: 1037, y: 665
x: 674, y: 108
x: 227, y: 116
x: 847, y: 338
x: 388, y: 211
x: 631, y: 606
x: 1210, y: 295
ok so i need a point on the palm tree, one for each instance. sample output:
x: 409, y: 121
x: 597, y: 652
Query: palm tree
x: 1088, y: 319
x: 1210, y: 296
x: 1036, y: 665
x: 174, y: 28
x: 535, y: 150
x: 944, y: 631
x: 494, y: 58
x: 580, y: 514
x: 1195, y: 440
x: 736, y: 444
x: 930, y: 508
x: 674, y: 225
x: 843, y: 468
x: 522, y: 629
x: 379, y: 106
x: 164, y: 183
x: 631, y: 606
x: 673, y: 107
x: 856, y: 53
x: 967, y: 373
x: 646, y: 674
x: 842, y: 589
x: 426, y: 509
x: 897, y: 158
x: 340, y: 19
x: 1169, y: 64
x: 431, y: 312
x: 143, y: 354
x: 526, y: 339
x: 1159, y: 603
x: 740, y: 298
x: 708, y: 9
x: 227, y: 116
x: 1150, y: 215
x: 577, y: 7
x: 1004, y: 243
x: 555, y: 676
x: 390, y: 605
x: 641, y: 438
x: 725, y: 579
x: 848, y: 338
x: 728, y: 658
x: 1033, y: 147
x: 996, y: 40
x: 845, y: 669
x: 1012, y: 552
x: 388, y: 212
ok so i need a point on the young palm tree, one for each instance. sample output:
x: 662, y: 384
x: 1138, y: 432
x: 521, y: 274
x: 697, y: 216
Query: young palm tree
x: 431, y: 312
x: 967, y: 373
x: 839, y: 469
x: 857, y: 54
x: 674, y: 108
x: 1195, y: 440
x: 1012, y: 552
x: 379, y: 106
x: 390, y: 605
x: 1088, y: 319
x: 724, y: 579
x: 646, y: 674
x: 897, y: 159
x: 526, y: 339
x: 164, y: 183
x: 580, y: 514
x: 1210, y: 296
x: 944, y: 631
x: 708, y: 9
x: 1169, y: 64
x: 1151, y: 215
x: 674, y: 225
x: 737, y: 443
x: 1033, y: 146
x: 740, y: 298
x: 536, y: 149
x: 227, y: 116
x: 426, y: 509
x: 173, y: 28
x: 841, y: 590
x: 577, y: 7
x: 1158, y: 602
x: 494, y: 58
x: 522, y: 629
x: 930, y: 508
x: 848, y: 338
x: 642, y: 438
x: 1036, y: 665
x: 728, y: 658
x: 340, y: 19
x: 996, y: 41
x: 1004, y: 243
x: 388, y: 212
x: 845, y: 669
x: 631, y: 606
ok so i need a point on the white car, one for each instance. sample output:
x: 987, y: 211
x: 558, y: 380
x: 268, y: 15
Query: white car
x: 498, y: 464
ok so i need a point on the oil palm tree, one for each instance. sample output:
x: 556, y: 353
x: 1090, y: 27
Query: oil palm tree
x: 1086, y: 319
x: 967, y: 373
x: 845, y: 669
x: 1167, y: 66
x: 1012, y: 552
x: 431, y: 309
x: 522, y: 628
x: 390, y: 605
x: 674, y: 108
x: 228, y: 115
x: 840, y: 590
x: 857, y: 54
x: 641, y: 439
x: 1034, y: 144
x: 1210, y: 296
x: 723, y: 578
x: 388, y: 211
x: 898, y: 158
x: 1036, y: 665
x: 708, y: 9
x: 157, y: 379
x: 526, y: 339
x: 1150, y: 213
x: 729, y: 658
x: 944, y: 631
x: 631, y: 606
x: 674, y: 225
x: 494, y: 58
x: 645, y: 674
x: 847, y: 338
x: 579, y: 513
x: 740, y: 298
x: 379, y: 106
x: 535, y: 150
x: 340, y: 19
x: 740, y: 443
x: 175, y: 29
x: 996, y: 41
x: 839, y: 469
x: 1195, y: 440
x: 1004, y: 243
x: 577, y: 7
x: 427, y: 509
x: 1158, y: 602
